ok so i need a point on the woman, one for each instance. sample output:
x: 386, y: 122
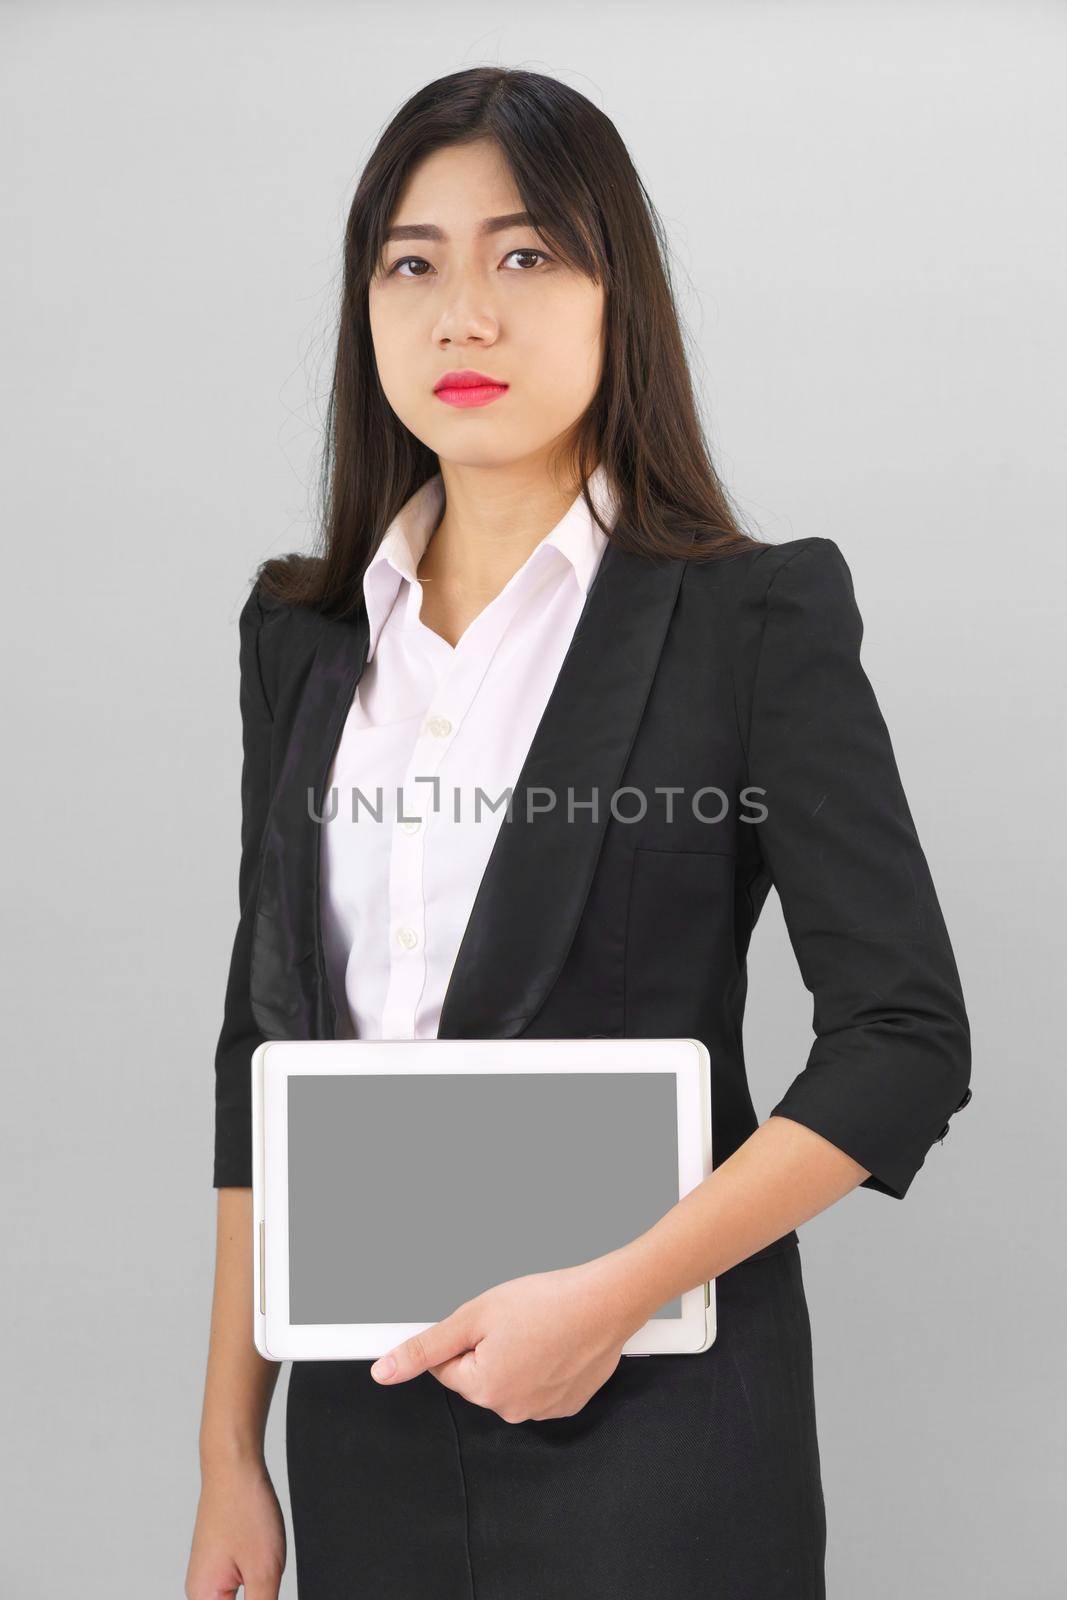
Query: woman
x: 532, y: 581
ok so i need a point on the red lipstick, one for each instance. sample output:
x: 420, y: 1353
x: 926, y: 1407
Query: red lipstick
x: 468, y: 388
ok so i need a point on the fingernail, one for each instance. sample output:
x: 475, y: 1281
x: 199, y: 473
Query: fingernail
x: 383, y: 1368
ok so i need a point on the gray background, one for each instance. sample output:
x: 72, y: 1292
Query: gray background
x: 869, y: 244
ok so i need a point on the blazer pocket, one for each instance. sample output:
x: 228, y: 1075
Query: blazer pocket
x: 679, y: 938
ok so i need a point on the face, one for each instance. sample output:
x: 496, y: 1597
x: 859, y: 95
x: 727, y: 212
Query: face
x: 451, y: 297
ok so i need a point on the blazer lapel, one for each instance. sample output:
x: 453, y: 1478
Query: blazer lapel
x: 540, y: 870
x: 541, y: 867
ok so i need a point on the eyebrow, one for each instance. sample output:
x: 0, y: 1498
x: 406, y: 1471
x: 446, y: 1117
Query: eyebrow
x: 430, y: 230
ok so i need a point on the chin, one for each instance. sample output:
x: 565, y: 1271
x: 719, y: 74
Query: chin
x: 481, y: 453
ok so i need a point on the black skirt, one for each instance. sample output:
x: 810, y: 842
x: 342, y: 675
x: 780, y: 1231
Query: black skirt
x: 683, y: 1478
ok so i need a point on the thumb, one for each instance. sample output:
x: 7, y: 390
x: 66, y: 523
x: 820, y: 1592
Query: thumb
x: 437, y: 1343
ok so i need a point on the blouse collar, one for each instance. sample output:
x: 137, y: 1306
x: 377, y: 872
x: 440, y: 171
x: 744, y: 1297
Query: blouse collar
x: 402, y: 546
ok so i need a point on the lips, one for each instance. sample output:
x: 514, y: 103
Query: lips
x: 469, y: 388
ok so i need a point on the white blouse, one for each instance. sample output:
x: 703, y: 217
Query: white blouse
x: 434, y: 742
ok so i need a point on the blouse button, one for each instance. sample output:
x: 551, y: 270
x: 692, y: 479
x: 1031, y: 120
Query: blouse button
x: 411, y: 824
x: 439, y: 727
x: 407, y: 937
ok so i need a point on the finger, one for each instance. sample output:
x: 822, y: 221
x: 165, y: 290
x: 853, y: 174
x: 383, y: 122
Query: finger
x: 422, y: 1351
x: 459, y: 1373
x: 261, y: 1586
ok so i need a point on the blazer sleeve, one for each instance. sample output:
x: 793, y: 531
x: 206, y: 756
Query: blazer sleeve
x: 891, y: 1059
x: 239, y: 1035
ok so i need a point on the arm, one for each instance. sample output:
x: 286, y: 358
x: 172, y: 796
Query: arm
x: 891, y: 1060
x: 239, y: 1536
x: 781, y: 1177
x: 239, y: 1382
x: 239, y: 1035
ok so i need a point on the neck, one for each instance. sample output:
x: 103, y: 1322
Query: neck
x: 493, y: 518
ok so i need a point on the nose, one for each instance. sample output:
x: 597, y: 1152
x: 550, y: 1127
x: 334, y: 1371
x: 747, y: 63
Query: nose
x: 467, y: 316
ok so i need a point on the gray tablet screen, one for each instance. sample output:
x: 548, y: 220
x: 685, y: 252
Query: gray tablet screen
x: 410, y: 1193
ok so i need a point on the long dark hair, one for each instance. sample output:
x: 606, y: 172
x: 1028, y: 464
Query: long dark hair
x: 576, y: 179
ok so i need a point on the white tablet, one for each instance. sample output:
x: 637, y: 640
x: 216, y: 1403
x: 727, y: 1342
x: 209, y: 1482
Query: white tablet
x: 393, y: 1180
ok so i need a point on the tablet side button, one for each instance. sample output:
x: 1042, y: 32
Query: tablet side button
x: 707, y: 1290
x: 262, y: 1271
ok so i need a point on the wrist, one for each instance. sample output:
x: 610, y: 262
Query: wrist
x: 631, y: 1285
x: 229, y: 1453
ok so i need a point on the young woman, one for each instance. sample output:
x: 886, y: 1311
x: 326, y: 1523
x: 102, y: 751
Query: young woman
x: 532, y: 581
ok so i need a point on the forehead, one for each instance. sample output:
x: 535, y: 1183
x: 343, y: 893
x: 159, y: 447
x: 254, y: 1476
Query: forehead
x: 458, y: 187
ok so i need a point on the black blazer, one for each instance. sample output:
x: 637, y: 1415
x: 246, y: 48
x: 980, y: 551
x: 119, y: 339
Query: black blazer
x: 739, y: 675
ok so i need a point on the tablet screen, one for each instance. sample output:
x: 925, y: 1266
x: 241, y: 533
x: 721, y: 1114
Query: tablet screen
x: 411, y: 1193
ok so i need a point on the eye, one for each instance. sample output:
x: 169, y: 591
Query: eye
x: 395, y: 268
x: 524, y: 251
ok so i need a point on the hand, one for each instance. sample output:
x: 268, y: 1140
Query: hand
x: 239, y: 1536
x: 529, y: 1349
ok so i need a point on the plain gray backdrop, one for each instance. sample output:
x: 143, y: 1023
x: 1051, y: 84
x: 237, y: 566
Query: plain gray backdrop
x: 868, y: 239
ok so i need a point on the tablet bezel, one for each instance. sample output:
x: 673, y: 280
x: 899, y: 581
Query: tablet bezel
x: 275, y: 1061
